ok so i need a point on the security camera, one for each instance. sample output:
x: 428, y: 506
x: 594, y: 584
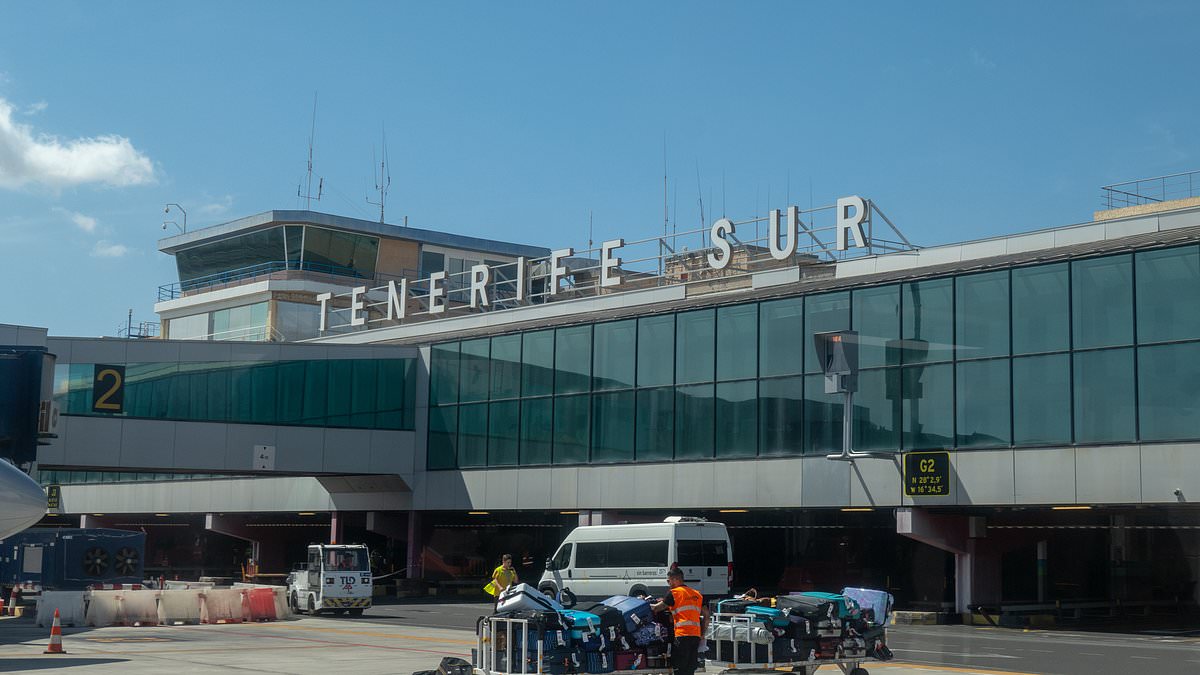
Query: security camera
x: 1178, y: 492
x: 166, y: 209
x: 164, y: 226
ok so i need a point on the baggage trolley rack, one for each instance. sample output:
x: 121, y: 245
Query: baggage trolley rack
x: 487, y: 650
x: 743, y: 624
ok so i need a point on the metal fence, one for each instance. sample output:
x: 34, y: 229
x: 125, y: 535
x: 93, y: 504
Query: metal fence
x: 1150, y: 190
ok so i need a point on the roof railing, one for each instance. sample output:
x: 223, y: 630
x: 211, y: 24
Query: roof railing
x: 1151, y: 190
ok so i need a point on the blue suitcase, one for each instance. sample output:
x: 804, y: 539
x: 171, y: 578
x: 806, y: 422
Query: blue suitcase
x: 635, y: 611
x: 582, y: 623
x: 600, y: 662
x: 769, y: 615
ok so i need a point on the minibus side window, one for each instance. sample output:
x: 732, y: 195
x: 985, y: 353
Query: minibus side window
x: 563, y: 560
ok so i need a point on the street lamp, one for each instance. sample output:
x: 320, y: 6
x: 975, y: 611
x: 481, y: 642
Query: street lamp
x: 168, y: 210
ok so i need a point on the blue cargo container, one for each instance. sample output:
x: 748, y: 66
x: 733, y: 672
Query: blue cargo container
x: 71, y: 558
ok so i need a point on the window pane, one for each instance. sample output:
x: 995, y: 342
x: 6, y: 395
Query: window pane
x: 694, y: 423
x: 472, y: 434
x: 573, y: 359
x: 656, y: 347
x: 1104, y: 396
x: 537, y: 359
x: 1040, y: 309
x: 337, y: 400
x: 928, y: 407
x: 316, y: 383
x: 928, y: 321
x: 443, y: 380
x: 781, y: 323
x: 503, y: 423
x: 364, y: 393
x: 655, y: 424
x: 983, y: 404
x: 571, y: 429
x: 1041, y: 400
x: 737, y: 419
x: 537, y: 426
x: 506, y: 366
x: 781, y: 416
x: 981, y: 313
x: 877, y: 320
x: 822, y: 418
x: 615, y: 353
x: 473, y: 382
x: 823, y: 313
x: 1103, y: 301
x: 1169, y: 392
x: 694, y: 346
x: 612, y: 427
x: 737, y: 342
x: 334, y: 252
x: 877, y: 411
x: 397, y: 389
x: 255, y: 248
x: 443, y: 437
x: 1168, y: 293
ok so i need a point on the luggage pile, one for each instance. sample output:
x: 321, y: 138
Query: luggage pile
x: 617, y: 634
x: 801, y: 627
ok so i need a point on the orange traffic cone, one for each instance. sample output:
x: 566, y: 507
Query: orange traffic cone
x: 55, y: 637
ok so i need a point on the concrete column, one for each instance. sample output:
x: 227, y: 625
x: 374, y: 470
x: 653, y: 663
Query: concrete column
x: 335, y: 527
x: 1118, y: 551
x: 415, y: 546
x: 269, y: 558
x: 976, y: 564
x: 596, y: 517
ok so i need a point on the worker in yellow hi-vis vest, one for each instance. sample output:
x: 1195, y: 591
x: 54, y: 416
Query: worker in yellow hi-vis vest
x: 503, y: 577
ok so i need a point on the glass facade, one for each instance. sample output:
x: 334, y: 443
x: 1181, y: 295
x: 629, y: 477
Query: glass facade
x: 352, y: 393
x: 296, y: 246
x: 1092, y: 351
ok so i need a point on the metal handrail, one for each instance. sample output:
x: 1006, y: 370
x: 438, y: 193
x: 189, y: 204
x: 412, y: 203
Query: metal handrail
x: 1151, y: 190
x: 174, y: 290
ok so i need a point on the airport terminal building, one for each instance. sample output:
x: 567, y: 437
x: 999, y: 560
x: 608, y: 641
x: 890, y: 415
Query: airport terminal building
x: 1025, y: 426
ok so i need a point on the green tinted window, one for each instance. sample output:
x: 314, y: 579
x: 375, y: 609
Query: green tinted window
x: 1169, y: 391
x: 1041, y: 399
x: 612, y: 427
x: 537, y: 363
x: 335, y: 252
x: 337, y: 396
x: 694, y: 346
x: 694, y: 422
x: 822, y: 418
x: 571, y: 429
x: 983, y: 403
x: 655, y: 436
x: 615, y: 355
x: 781, y: 416
x: 927, y: 325
x: 443, y: 438
x: 1168, y: 294
x: 472, y: 434
x: 504, y: 421
x: 573, y: 359
x: 443, y: 376
x: 981, y: 313
x: 928, y: 410
x: 656, y: 344
x: 877, y: 411
x: 1104, y: 390
x: 1041, y: 309
x: 877, y: 320
x: 506, y: 366
x: 780, y: 332
x: 823, y: 313
x: 737, y: 419
x: 537, y: 430
x: 1102, y: 307
x: 475, y: 370
x: 737, y: 342
x: 397, y: 393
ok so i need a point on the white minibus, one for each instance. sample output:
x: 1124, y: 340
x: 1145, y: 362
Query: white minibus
x: 599, y: 561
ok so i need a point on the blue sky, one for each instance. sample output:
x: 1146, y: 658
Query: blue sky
x: 514, y: 120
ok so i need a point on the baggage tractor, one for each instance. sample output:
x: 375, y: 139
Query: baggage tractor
x: 523, y: 597
x: 635, y: 611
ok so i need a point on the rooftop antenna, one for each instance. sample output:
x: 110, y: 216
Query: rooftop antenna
x: 589, y: 231
x: 383, y: 180
x: 666, y: 214
x: 308, y: 196
x: 700, y: 197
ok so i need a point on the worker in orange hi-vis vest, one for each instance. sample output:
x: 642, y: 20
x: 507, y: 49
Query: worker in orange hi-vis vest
x: 690, y: 616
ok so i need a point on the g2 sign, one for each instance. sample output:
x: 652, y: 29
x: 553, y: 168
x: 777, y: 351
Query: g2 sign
x: 108, y: 389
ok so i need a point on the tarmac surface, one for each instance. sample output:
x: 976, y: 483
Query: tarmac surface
x: 408, y: 637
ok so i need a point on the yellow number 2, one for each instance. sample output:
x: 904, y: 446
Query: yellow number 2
x: 102, y: 402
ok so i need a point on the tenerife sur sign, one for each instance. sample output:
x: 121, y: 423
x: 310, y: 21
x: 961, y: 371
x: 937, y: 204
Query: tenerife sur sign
x: 783, y: 237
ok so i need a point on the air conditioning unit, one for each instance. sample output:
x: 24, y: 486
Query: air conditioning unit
x: 48, y: 412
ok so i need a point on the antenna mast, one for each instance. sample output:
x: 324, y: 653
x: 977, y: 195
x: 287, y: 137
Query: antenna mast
x: 308, y: 196
x: 384, y: 179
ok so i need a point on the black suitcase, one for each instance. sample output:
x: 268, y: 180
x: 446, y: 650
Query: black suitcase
x: 813, y: 609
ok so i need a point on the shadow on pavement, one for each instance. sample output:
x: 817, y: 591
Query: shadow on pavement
x: 51, y: 661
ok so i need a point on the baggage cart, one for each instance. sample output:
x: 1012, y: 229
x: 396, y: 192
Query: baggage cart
x: 490, y: 657
x: 731, y: 663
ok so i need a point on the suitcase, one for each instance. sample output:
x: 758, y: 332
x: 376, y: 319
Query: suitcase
x: 846, y: 607
x: 878, y: 603
x: 769, y: 615
x: 612, y: 620
x: 740, y: 631
x: 806, y: 606
x: 582, y: 623
x: 734, y: 605
x: 634, y: 659
x: 635, y: 611
x: 599, y: 662
x: 523, y: 597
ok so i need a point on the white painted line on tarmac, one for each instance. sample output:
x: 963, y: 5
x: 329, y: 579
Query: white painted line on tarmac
x: 968, y: 656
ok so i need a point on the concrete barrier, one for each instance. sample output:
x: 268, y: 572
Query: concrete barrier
x: 222, y: 605
x: 140, y: 607
x: 281, y: 605
x: 103, y: 608
x: 69, y: 604
x: 180, y: 606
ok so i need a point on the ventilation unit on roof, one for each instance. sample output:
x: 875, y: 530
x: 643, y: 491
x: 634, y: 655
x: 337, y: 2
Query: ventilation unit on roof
x: 685, y: 519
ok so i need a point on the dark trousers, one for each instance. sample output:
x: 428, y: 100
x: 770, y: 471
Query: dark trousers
x: 683, y: 656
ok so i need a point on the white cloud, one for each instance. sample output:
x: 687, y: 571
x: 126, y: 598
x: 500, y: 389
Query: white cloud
x: 217, y: 206
x: 107, y: 249
x: 982, y: 61
x: 85, y: 223
x: 36, y: 108
x: 29, y: 158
